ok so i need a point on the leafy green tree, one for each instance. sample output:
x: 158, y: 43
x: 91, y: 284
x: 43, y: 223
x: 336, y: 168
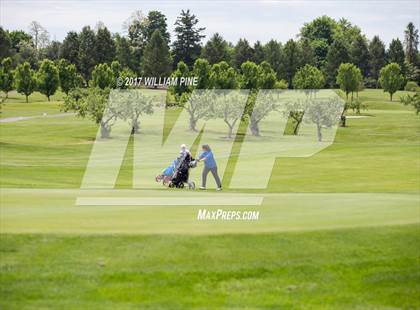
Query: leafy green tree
x: 68, y: 76
x: 349, y: 78
x: 124, y: 52
x: 25, y: 80
x: 92, y: 103
x: 201, y: 70
x: 156, y: 59
x: 308, y: 56
x: 87, y: 52
x: 222, y: 76
x: 258, y: 53
x: 337, y: 55
x: 395, y: 53
x: 391, y: 78
x: 308, y: 77
x: 273, y: 55
x: 292, y: 60
x: 320, y: 49
x: 376, y: 57
x: 249, y: 76
x: 6, y: 76
x: 105, y: 46
x: 156, y: 20
x: 179, y: 89
x: 413, y: 100
x: 257, y: 111
x: 359, y: 54
x: 186, y: 46
x: 5, y: 44
x: 321, y: 28
x: 69, y: 49
x: 17, y: 37
x: 48, y: 78
x: 51, y: 51
x: 216, y: 50
x: 102, y: 76
x: 242, y: 53
x: 411, y: 42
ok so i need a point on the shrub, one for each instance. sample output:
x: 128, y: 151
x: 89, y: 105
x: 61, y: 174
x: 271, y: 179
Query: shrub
x: 411, y: 86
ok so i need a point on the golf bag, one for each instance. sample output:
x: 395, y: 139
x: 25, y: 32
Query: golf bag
x: 182, y: 172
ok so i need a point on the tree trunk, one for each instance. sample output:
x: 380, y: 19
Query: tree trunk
x: 135, y: 127
x: 48, y: 98
x: 105, y: 131
x: 230, y: 132
x: 318, y: 127
x: 26, y: 98
x: 193, y: 123
x: 296, y: 129
x: 255, y: 130
x: 390, y: 94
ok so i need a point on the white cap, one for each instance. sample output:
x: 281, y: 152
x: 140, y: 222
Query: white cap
x: 183, y: 146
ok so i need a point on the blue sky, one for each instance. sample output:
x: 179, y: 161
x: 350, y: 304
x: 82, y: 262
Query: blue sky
x: 254, y: 20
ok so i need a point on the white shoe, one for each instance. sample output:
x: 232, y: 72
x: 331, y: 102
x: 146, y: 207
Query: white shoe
x: 219, y: 189
x: 203, y: 188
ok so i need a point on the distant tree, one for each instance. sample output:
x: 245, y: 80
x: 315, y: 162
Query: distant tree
x: 179, y: 89
x: 48, y: 78
x: 92, y: 103
x: 6, y: 76
x: 17, y: 37
x: 308, y: 56
x: 337, y: 55
x: 201, y: 70
x: 413, y: 100
x: 5, y: 44
x: 155, y: 20
x: 135, y: 27
x: 222, y: 76
x: 69, y: 78
x: 349, y: 78
x: 216, y: 50
x: 105, y: 46
x: 52, y: 51
x: 411, y: 42
x: 258, y: 53
x: 39, y: 35
x: 359, y: 54
x: 27, y: 53
x: 321, y: 33
x: 87, y: 52
x: 292, y: 60
x: 25, y: 80
x: 102, y: 76
x: 391, y: 78
x: 273, y: 55
x: 376, y: 57
x: 321, y: 28
x: 308, y: 77
x: 249, y: 75
x: 395, y: 53
x: 124, y: 53
x: 186, y: 46
x: 156, y: 59
x: 257, y: 111
x: 412, y: 72
x: 69, y: 49
x: 242, y: 53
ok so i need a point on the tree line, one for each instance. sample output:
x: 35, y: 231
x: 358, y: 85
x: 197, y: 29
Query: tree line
x: 147, y: 49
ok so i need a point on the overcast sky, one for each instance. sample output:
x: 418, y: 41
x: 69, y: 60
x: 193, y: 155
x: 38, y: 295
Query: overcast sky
x: 254, y: 20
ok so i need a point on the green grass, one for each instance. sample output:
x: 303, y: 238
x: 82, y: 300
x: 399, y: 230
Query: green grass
x: 375, y: 268
x: 338, y: 230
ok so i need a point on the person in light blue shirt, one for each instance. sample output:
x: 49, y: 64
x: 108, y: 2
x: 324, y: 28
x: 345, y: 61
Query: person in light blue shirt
x: 209, y: 166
